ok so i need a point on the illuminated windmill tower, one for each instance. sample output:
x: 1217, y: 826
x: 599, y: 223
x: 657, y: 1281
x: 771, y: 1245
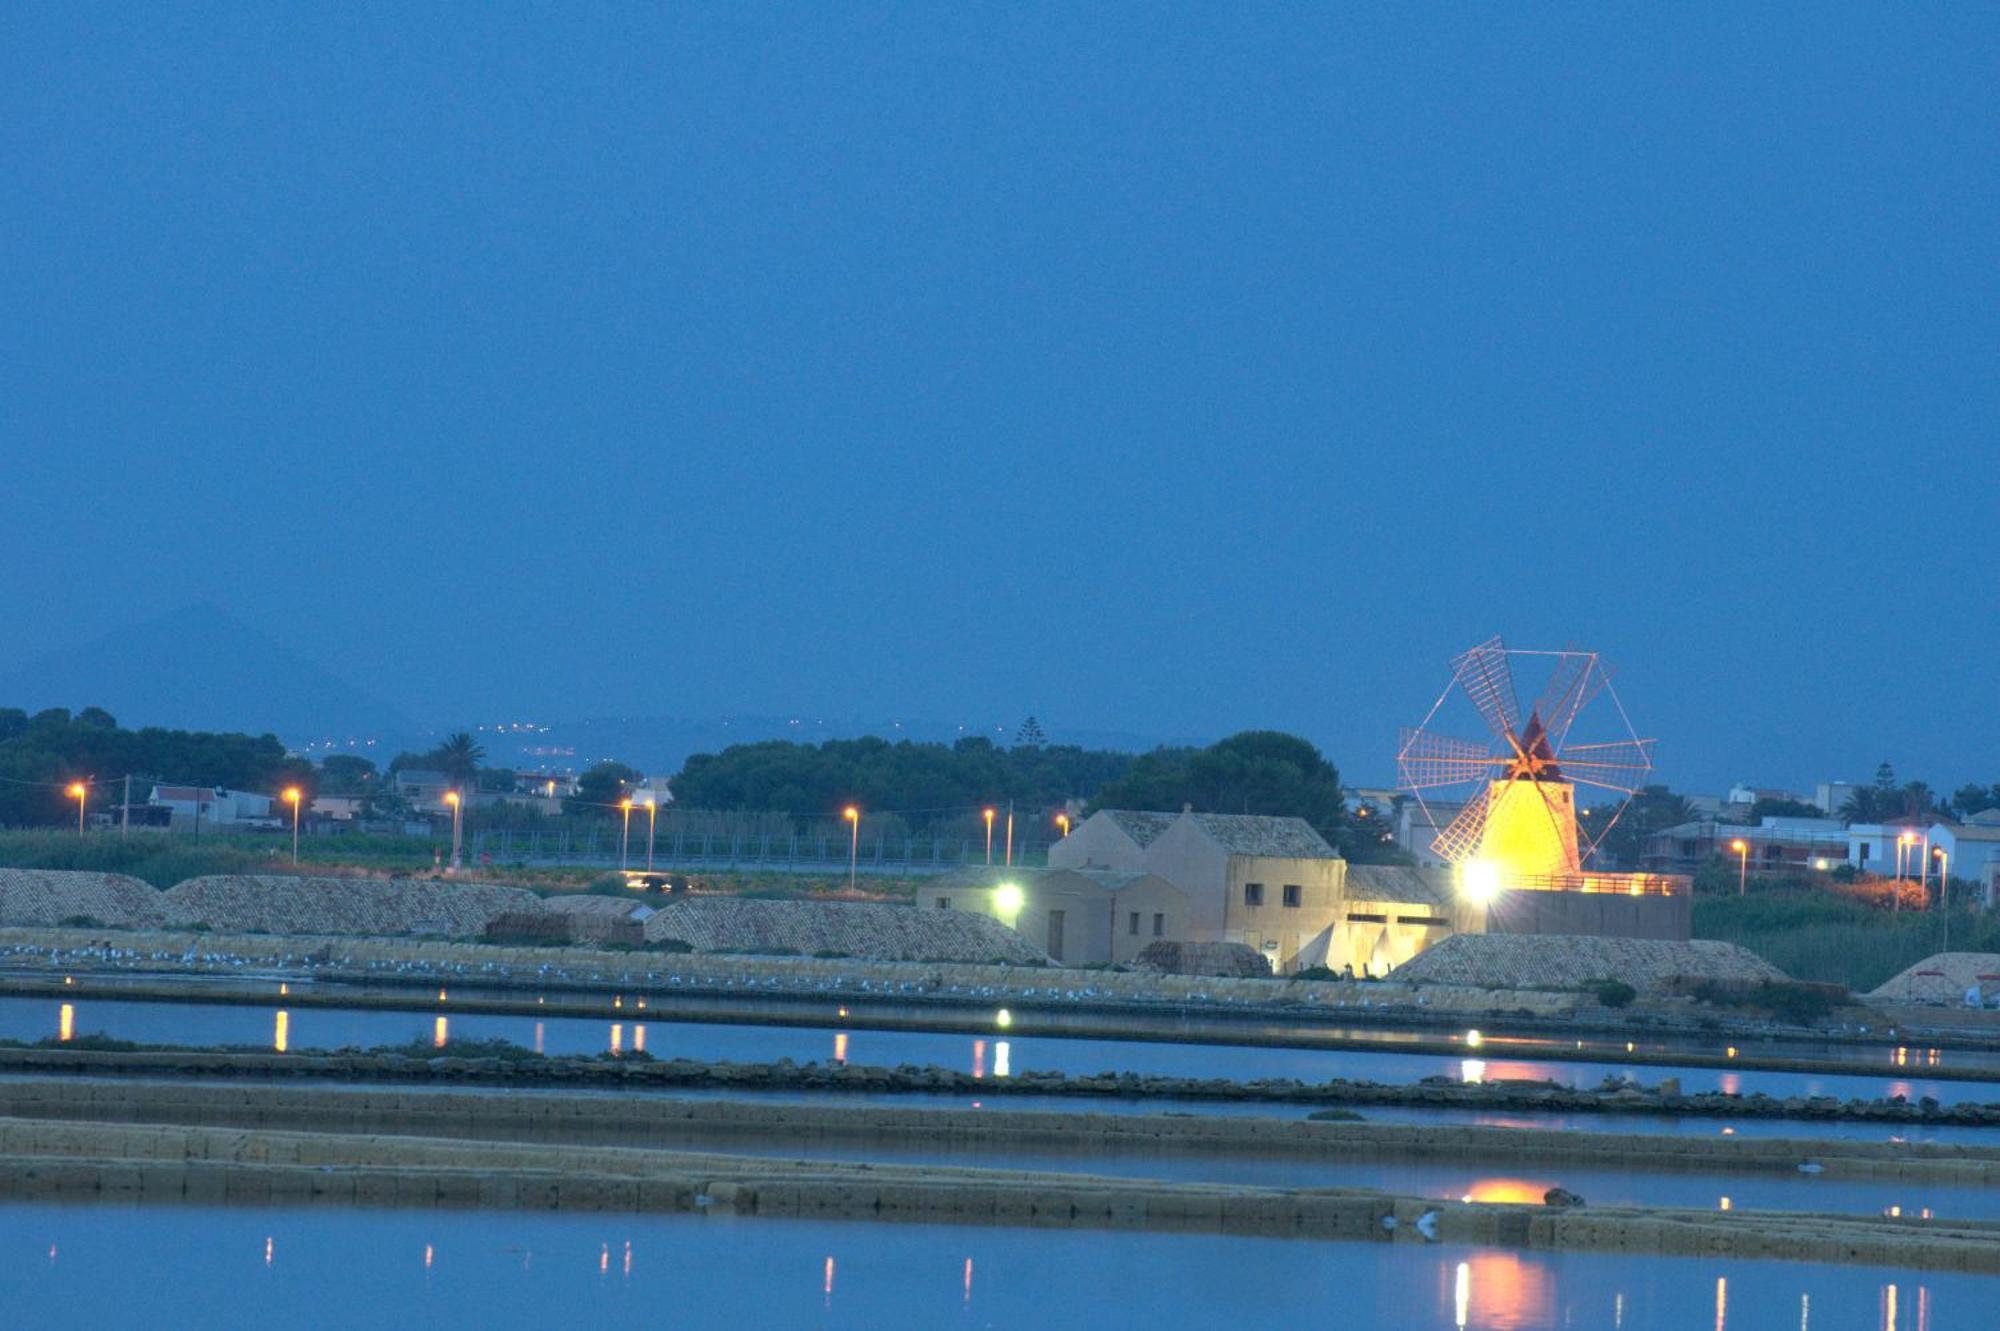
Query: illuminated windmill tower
x: 1515, y: 792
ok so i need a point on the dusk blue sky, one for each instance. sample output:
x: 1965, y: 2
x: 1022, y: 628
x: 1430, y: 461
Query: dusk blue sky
x: 1173, y: 370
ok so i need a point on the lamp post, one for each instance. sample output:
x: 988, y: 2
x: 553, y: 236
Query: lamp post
x: 1010, y: 834
x: 1903, y: 844
x: 1062, y: 821
x: 1924, y: 872
x: 853, y: 817
x: 1742, y: 849
x: 292, y: 794
x: 79, y: 792
x: 457, y: 803
x: 625, y: 836
x: 652, y: 822
x: 1944, y: 894
x: 989, y: 837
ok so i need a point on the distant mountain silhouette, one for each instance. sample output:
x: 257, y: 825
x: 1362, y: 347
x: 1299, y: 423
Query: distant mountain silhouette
x: 199, y: 668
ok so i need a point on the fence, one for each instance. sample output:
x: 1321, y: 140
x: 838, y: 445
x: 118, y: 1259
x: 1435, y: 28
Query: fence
x: 795, y: 853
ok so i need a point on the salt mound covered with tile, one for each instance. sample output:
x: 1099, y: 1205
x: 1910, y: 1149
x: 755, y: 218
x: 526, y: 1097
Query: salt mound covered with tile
x: 1944, y: 978
x: 1562, y: 961
x: 281, y: 904
x: 51, y: 896
x: 875, y: 932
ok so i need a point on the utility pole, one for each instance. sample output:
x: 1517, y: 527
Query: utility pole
x: 1010, y: 834
x: 125, y: 810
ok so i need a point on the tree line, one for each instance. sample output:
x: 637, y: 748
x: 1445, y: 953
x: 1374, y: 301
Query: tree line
x: 43, y: 753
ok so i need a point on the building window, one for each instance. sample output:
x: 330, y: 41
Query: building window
x: 1253, y: 894
x: 1159, y: 925
x: 1293, y: 894
x: 1132, y: 925
x: 944, y: 903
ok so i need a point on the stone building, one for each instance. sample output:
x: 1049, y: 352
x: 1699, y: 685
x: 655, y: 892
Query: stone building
x: 1081, y: 917
x: 1271, y: 883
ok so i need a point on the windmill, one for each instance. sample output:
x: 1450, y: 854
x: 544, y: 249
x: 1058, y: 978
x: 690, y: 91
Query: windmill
x: 1516, y: 791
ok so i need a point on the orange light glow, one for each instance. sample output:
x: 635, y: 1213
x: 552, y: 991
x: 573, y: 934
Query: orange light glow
x: 1739, y: 845
x: 1508, y: 1191
x: 281, y: 1038
x: 66, y: 1022
x: 77, y: 790
x: 451, y: 798
x: 293, y: 794
x: 851, y: 814
x: 441, y: 1033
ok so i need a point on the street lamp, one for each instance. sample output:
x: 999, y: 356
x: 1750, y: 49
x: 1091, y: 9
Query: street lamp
x: 292, y: 795
x: 79, y: 792
x: 652, y: 819
x: 1062, y: 821
x: 853, y: 817
x: 625, y: 837
x: 1903, y: 844
x: 1010, y: 834
x: 989, y: 837
x: 1944, y: 894
x: 457, y: 803
x: 1742, y: 849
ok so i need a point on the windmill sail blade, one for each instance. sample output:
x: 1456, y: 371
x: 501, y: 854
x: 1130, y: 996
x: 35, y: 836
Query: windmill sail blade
x: 1574, y: 682
x: 1426, y: 760
x: 1621, y: 765
x: 1460, y: 838
x: 1488, y: 681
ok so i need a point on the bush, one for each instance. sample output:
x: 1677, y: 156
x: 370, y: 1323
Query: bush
x: 1315, y: 973
x: 1838, y: 938
x: 81, y: 922
x: 1615, y: 993
x: 1799, y: 1004
x: 669, y: 945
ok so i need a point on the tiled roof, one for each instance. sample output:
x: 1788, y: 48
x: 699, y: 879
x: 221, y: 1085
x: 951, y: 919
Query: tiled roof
x: 1144, y: 828
x: 1111, y: 880
x: 1257, y: 834
x: 1401, y: 883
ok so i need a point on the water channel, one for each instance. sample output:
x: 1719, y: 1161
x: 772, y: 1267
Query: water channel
x: 259, y: 1267
x: 1001, y: 1054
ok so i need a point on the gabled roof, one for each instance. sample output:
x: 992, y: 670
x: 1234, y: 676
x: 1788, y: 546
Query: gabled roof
x: 1401, y: 883
x: 1258, y: 834
x: 1110, y: 880
x: 1144, y: 828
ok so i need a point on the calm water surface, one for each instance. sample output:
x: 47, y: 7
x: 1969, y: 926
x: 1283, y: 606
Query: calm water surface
x: 103, y: 1266
x: 330, y: 1028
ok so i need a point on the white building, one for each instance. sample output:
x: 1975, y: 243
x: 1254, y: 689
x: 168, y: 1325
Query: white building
x: 1971, y: 849
x: 213, y: 806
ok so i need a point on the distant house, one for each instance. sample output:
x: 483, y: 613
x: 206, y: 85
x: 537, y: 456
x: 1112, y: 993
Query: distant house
x: 1971, y: 848
x: 338, y: 808
x: 423, y: 790
x: 1775, y: 845
x: 210, y: 806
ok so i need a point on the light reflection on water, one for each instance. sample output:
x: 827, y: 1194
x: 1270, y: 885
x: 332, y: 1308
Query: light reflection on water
x: 324, y: 1028
x: 96, y: 1265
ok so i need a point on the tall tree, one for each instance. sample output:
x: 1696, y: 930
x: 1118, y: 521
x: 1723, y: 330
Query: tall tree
x: 459, y: 758
x: 1257, y: 771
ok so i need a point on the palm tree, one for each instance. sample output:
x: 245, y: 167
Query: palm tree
x: 459, y: 758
